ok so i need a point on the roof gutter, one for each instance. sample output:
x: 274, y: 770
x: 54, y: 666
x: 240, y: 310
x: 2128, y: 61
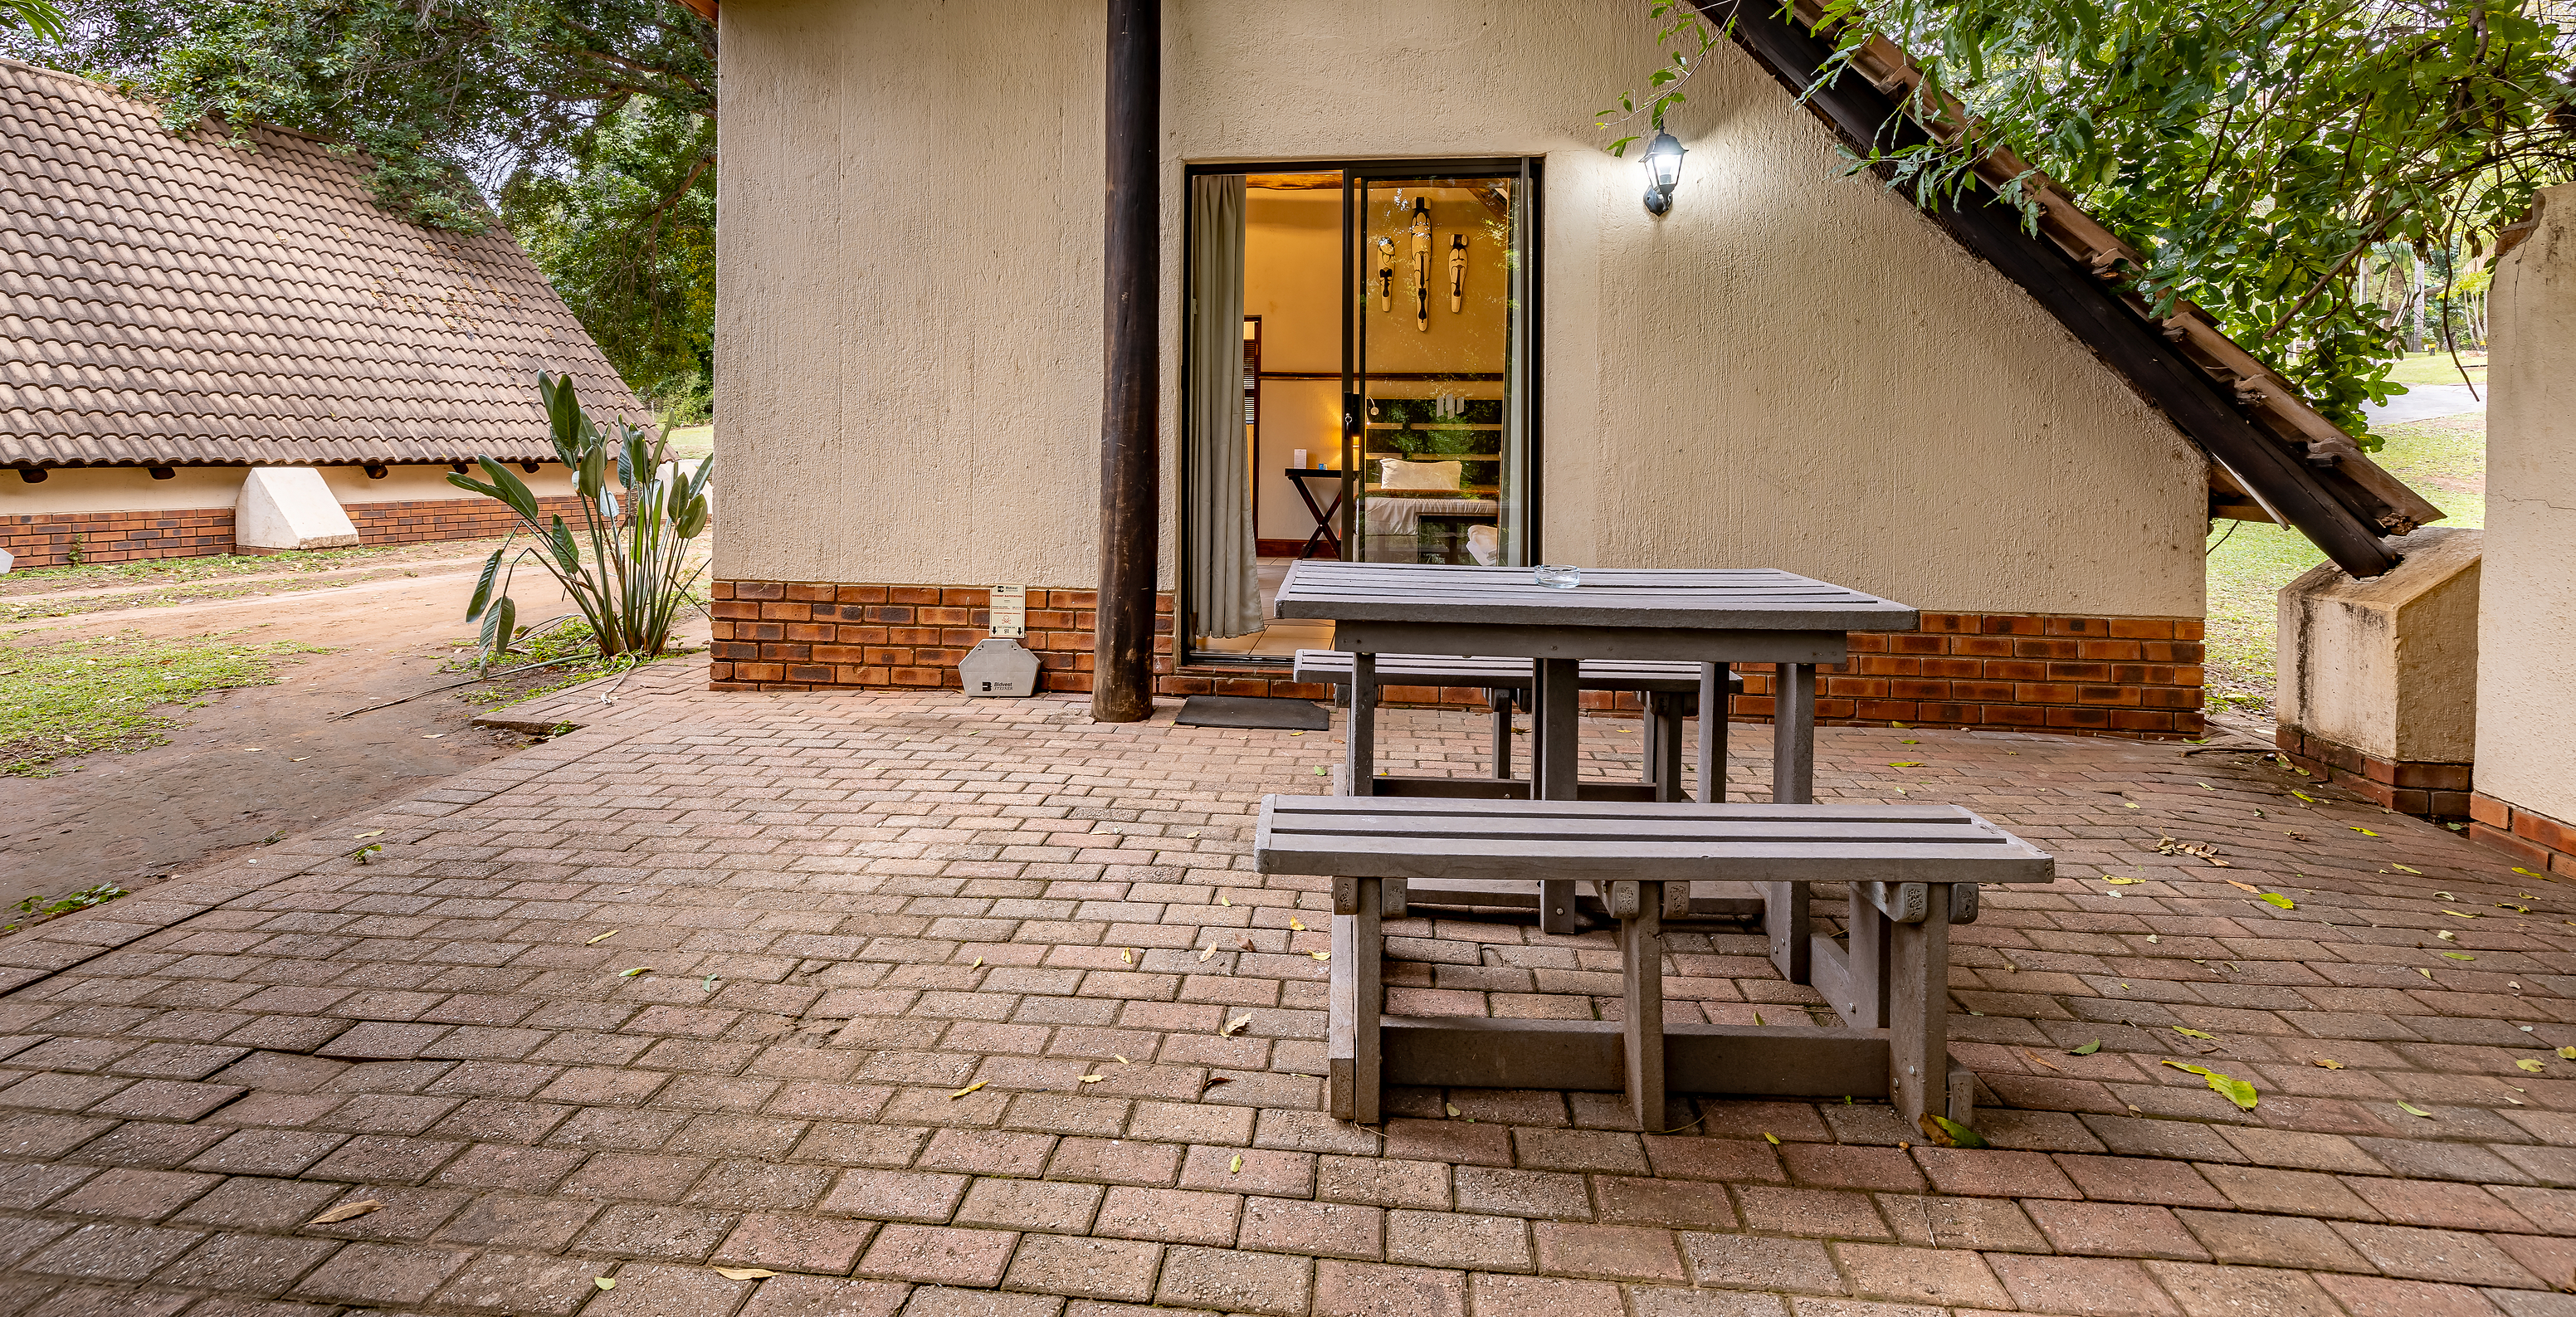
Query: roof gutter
x: 2282, y: 480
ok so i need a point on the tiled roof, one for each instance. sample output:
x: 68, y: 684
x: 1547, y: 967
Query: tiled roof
x: 178, y: 300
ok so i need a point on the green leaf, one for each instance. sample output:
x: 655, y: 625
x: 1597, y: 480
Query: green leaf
x: 2087, y: 1049
x: 567, y: 553
x: 630, y: 973
x: 1951, y: 1134
x: 2191, y: 1033
x: 2531, y: 1065
x: 500, y: 625
x: 483, y: 584
x: 510, y: 489
x: 2459, y: 955
x: 2275, y: 898
x: 2227, y: 1086
x: 2411, y: 1109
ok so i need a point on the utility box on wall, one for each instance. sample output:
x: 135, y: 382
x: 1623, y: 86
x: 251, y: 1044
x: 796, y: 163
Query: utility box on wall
x: 999, y: 668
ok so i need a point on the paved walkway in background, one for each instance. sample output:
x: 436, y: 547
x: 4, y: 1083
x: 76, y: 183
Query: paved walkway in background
x: 931, y: 1020
x: 2423, y: 401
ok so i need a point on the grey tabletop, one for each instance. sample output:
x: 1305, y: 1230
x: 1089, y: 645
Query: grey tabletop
x: 1734, y: 598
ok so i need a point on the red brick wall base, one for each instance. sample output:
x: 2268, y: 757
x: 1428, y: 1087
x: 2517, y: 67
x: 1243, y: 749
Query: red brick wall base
x: 2422, y: 788
x: 2118, y: 676
x: 44, y: 539
x: 2537, y: 841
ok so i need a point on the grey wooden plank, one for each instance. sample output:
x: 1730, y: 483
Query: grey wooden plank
x: 1641, y: 1022
x: 1790, y: 862
x: 1499, y: 788
x: 1555, y: 766
x: 1333, y: 667
x: 1760, y: 599
x: 1802, y: 643
x: 1918, y: 1015
x: 1359, y: 732
x: 1341, y: 1025
x: 1586, y: 1056
x: 1367, y: 952
x: 1715, y: 683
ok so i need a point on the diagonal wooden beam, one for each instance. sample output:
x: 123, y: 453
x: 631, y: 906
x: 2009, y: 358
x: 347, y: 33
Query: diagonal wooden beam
x: 2128, y: 342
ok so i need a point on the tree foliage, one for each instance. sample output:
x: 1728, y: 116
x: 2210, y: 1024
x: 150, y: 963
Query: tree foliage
x: 2253, y: 151
x: 541, y: 114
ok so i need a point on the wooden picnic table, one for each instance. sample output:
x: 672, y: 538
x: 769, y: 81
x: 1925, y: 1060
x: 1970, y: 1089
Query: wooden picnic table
x: 1709, y: 616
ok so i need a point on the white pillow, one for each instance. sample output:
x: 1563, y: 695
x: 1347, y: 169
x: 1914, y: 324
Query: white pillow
x: 1396, y: 473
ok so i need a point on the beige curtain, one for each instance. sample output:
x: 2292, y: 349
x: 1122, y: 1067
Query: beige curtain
x: 1223, y: 574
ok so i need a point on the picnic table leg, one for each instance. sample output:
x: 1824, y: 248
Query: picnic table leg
x: 1501, y: 698
x: 1356, y: 1087
x: 1553, y: 770
x: 1918, y: 1010
x: 1793, y: 781
x: 1360, y: 737
x: 1712, y: 733
x: 1639, y: 906
x: 1664, y: 744
x: 1866, y: 983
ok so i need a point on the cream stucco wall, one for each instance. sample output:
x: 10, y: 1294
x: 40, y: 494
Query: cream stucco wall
x: 1791, y: 369
x: 2527, y: 629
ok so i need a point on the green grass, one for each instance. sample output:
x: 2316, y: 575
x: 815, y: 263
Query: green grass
x: 573, y: 638
x: 2435, y: 368
x: 76, y: 697
x: 693, y: 440
x: 2444, y: 459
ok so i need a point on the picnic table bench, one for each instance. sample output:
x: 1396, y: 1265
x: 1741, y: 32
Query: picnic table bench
x: 1671, y: 691
x: 1913, y: 871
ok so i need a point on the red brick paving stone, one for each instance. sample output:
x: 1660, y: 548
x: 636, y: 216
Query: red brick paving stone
x: 896, y: 1195
x: 91, y: 1301
x: 1579, y: 1150
x: 1540, y: 1194
x: 106, y: 1252
x: 382, y: 1273
x: 1333, y: 1230
x: 1694, y: 1158
x: 818, y: 1296
x: 521, y: 1285
x: 667, y: 1234
x: 937, y: 1255
x: 1989, y: 1224
x: 1751, y: 1262
x: 519, y: 1221
x: 1690, y: 1205
x: 136, y: 1195
x: 506, y: 1166
x: 987, y: 1152
x: 1926, y: 1275
x: 162, y: 1099
x: 1822, y: 1213
x: 1166, y: 1216
x: 2272, y: 1241
x: 2447, y: 1255
x: 1609, y: 1252
x: 2378, y: 1296
x: 266, y: 1152
x: 1848, y: 1166
x: 1265, y: 1171
x: 1656, y: 1301
x: 935, y: 1301
x: 646, y: 1290
x: 2089, y: 1286
x: 2553, y: 1211
x: 1494, y: 1295
x: 1453, y: 1141
x: 253, y: 1203
x: 2300, y: 1193
x: 1113, y: 1269
x: 1063, y: 1209
x: 1116, y: 1161
x: 2210, y: 1291
x: 1382, y: 1182
x: 794, y: 1241
x: 2140, y: 1180
x: 2115, y: 1230
x: 1457, y: 1239
x: 246, y: 1264
x: 1995, y: 1173
x: 1371, y: 1289
x: 2436, y: 1203
x: 2552, y: 1258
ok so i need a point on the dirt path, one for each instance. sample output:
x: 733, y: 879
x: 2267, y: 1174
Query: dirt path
x: 264, y: 760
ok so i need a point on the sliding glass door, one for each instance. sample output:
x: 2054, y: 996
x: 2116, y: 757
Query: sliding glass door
x: 1436, y: 433
x: 1358, y: 380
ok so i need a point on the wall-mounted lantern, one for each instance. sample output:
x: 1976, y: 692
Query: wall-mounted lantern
x: 1663, y: 161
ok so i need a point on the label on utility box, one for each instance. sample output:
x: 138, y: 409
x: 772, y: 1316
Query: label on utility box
x: 1010, y: 609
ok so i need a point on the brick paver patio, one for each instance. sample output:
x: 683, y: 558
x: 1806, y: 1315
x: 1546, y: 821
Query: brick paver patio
x: 933, y: 1022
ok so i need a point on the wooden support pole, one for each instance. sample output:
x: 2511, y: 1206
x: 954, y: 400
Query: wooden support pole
x: 1918, y: 1014
x: 1639, y: 907
x: 1712, y: 732
x: 1793, y: 781
x: 1122, y: 668
x: 1359, y: 735
x: 1556, y: 767
x: 1502, y: 698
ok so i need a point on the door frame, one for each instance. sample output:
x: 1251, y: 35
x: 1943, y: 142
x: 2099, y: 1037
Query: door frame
x: 1531, y: 172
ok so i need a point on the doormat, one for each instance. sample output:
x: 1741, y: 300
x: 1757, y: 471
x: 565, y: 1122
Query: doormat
x: 1253, y: 711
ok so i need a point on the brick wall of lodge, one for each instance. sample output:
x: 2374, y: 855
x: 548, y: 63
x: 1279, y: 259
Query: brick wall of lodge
x: 45, y: 539
x: 2121, y: 676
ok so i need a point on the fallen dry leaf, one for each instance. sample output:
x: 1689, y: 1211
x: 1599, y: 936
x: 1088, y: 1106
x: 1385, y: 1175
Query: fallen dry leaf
x: 1235, y: 1167
x: 1092, y: 1079
x: 1214, y: 1080
x: 1234, y: 1026
x: 364, y: 835
x: 2567, y: 1054
x: 2242, y: 887
x: 1243, y: 943
x: 1220, y: 899
x: 1211, y: 950
x: 744, y: 1273
x: 968, y: 1089
x: 979, y: 963
x: 1321, y: 955
x: 2327, y: 1063
x: 2411, y: 1109
x: 1120, y: 1059
x: 1296, y: 923
x: 602, y: 938
x: 345, y: 1211
x: 630, y: 973
x: 2191, y: 1033
x: 1127, y: 955
x: 2531, y: 1066
x: 603, y: 1282
x: 2041, y: 1059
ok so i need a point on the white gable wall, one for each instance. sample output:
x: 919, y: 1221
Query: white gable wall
x: 1791, y: 369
